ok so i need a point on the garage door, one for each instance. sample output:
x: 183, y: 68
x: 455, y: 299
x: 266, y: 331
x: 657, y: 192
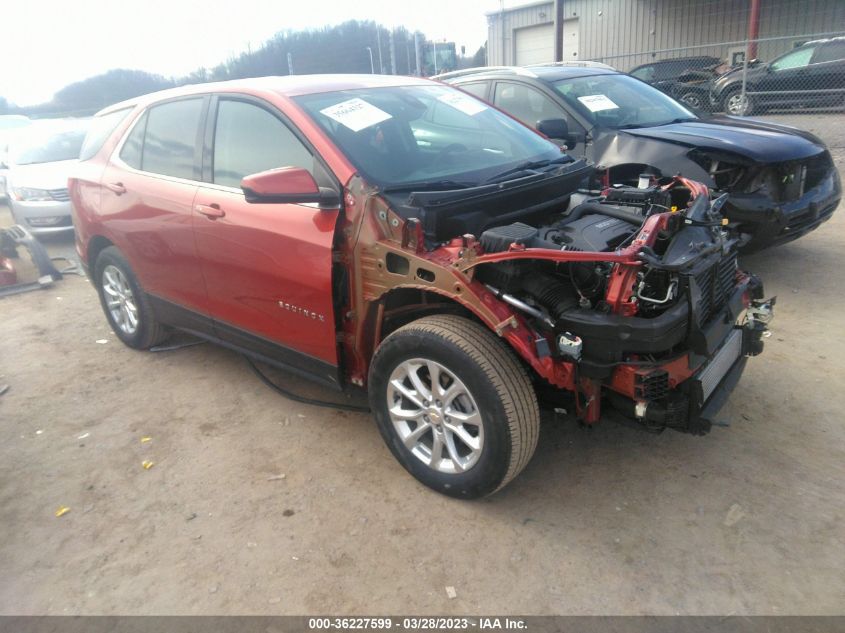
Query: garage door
x: 535, y: 44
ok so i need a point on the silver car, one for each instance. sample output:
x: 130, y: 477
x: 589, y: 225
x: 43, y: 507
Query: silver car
x: 10, y: 125
x: 39, y: 162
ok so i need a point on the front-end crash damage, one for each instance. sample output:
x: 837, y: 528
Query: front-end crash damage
x: 775, y: 197
x: 631, y: 300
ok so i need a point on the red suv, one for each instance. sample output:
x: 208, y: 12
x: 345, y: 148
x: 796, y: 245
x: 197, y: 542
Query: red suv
x: 400, y: 235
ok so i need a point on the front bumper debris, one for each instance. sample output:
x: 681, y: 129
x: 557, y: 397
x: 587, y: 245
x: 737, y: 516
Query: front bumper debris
x: 771, y: 223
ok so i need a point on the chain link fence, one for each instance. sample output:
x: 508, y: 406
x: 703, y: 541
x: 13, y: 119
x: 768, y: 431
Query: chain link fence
x: 794, y: 73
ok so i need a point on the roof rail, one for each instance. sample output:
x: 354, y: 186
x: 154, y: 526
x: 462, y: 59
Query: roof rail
x: 517, y: 70
x: 575, y: 64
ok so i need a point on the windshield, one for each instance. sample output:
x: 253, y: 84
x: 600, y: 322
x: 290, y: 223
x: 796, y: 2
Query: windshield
x: 48, y: 146
x: 425, y: 134
x: 620, y: 101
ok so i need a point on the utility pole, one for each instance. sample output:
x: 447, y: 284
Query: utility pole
x: 378, y: 39
x: 434, y: 55
x: 392, y: 54
x: 370, y: 51
x: 290, y: 64
x: 558, y: 30
x: 408, y: 52
x: 753, y: 30
x: 417, y: 52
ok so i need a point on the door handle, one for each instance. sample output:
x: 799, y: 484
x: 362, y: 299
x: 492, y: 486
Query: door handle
x: 211, y: 211
x: 116, y: 188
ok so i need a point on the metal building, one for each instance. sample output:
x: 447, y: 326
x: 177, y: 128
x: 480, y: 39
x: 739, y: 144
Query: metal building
x: 620, y: 32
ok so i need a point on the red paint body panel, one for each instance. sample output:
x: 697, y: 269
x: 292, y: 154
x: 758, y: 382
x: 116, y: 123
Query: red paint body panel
x: 152, y: 224
x: 286, y: 180
x: 267, y: 270
x: 262, y: 268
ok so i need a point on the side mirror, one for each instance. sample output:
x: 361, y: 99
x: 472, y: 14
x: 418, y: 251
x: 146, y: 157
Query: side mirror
x: 553, y: 128
x: 292, y: 185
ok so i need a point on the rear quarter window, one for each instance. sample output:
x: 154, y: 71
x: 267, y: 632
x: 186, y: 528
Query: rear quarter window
x: 100, y: 130
x: 132, y: 148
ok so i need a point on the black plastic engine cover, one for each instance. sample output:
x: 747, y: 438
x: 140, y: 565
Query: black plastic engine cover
x: 499, y: 239
x: 590, y: 233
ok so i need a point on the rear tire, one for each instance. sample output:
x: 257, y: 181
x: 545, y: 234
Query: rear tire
x: 124, y: 302
x: 473, y: 430
x: 693, y: 100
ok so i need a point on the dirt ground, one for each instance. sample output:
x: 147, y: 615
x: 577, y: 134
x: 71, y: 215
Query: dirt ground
x: 609, y: 520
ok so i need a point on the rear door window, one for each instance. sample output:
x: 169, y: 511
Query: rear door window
x: 478, y: 89
x: 170, y: 140
x: 831, y: 52
x: 249, y: 139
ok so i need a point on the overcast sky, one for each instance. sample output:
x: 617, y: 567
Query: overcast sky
x: 47, y: 44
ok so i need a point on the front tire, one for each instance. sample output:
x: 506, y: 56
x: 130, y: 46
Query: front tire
x: 454, y: 405
x: 735, y: 104
x: 124, y: 302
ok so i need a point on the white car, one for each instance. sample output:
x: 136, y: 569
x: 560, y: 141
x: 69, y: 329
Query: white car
x: 10, y: 124
x: 39, y: 162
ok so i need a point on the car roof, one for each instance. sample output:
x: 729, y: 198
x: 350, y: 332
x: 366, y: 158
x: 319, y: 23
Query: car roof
x: 678, y: 59
x: 547, y: 72
x: 825, y: 41
x: 531, y: 70
x: 288, y: 86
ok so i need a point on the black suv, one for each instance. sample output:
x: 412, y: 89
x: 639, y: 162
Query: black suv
x: 812, y: 75
x: 782, y: 180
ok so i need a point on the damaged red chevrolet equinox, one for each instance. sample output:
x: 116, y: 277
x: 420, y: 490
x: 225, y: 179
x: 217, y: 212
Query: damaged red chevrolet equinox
x: 399, y: 235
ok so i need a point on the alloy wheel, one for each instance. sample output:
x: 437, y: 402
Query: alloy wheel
x: 435, y: 416
x: 120, y: 301
x: 737, y: 104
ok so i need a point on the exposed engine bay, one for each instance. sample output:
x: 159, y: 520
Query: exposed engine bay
x: 602, y: 224
x: 639, y: 326
x: 630, y: 296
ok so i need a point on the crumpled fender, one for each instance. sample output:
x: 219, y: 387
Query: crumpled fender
x: 613, y: 150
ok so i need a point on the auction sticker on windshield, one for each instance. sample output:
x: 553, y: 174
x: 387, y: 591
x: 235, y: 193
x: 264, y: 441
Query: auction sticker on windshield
x: 463, y: 103
x: 597, y: 103
x: 356, y: 114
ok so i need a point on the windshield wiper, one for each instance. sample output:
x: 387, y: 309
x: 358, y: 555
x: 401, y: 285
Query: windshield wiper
x: 633, y: 126
x: 528, y: 166
x: 630, y: 126
x: 427, y: 185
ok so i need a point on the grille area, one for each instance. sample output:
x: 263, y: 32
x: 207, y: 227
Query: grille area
x: 59, y: 194
x: 817, y: 169
x: 724, y: 359
x: 789, y: 181
x: 716, y: 285
x: 652, y: 386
